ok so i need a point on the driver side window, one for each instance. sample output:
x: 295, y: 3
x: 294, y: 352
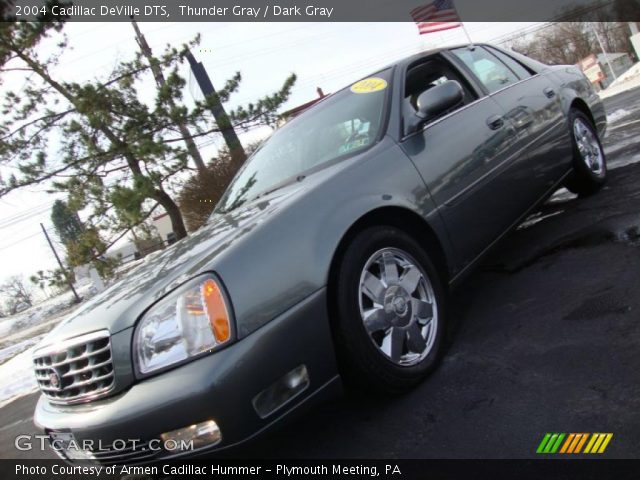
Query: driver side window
x: 428, y: 74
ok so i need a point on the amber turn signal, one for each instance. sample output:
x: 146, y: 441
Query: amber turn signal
x: 216, y: 310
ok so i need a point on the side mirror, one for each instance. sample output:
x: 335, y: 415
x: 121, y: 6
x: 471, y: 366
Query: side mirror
x: 436, y: 101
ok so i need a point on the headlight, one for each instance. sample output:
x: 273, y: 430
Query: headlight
x: 191, y: 320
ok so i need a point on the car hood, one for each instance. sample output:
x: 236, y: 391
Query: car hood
x: 118, y: 307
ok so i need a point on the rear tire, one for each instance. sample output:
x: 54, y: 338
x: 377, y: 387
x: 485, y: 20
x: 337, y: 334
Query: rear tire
x: 589, y: 162
x: 390, y: 303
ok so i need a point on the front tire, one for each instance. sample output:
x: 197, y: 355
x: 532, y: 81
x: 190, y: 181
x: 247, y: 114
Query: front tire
x: 589, y: 162
x: 390, y: 304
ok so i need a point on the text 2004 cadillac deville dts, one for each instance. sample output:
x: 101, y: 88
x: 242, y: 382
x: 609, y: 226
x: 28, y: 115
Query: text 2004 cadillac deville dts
x: 331, y: 252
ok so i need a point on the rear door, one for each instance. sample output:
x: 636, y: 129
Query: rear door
x: 467, y: 158
x: 532, y: 104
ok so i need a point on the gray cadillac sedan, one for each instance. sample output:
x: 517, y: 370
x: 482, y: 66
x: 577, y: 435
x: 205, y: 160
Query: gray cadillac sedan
x: 330, y: 256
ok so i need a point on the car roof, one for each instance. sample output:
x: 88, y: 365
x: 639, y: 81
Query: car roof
x: 428, y: 53
x: 403, y: 61
x: 418, y: 56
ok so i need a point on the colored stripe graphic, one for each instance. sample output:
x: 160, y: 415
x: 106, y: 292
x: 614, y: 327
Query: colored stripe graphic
x: 577, y: 437
x: 550, y: 443
x: 556, y: 445
x: 543, y: 443
x: 606, y: 442
x: 598, y: 442
x: 581, y: 442
x: 566, y: 445
x: 573, y: 443
x: 594, y: 437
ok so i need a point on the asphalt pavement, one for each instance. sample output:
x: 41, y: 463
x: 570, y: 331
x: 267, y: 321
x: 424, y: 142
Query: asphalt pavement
x: 546, y: 340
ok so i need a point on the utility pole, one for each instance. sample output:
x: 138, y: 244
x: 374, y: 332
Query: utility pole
x: 192, y: 148
x: 238, y: 155
x: 64, y: 270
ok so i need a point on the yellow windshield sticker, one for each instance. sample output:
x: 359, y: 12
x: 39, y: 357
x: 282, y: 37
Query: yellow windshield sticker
x: 369, y: 85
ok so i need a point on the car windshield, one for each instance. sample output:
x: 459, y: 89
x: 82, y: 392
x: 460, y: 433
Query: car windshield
x: 344, y: 124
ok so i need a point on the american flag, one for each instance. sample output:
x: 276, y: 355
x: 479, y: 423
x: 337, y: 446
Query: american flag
x: 436, y: 16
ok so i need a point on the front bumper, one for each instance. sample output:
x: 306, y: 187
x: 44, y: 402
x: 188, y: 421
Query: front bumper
x: 219, y: 387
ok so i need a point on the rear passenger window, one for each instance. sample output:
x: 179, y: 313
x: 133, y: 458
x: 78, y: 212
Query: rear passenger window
x: 514, y: 65
x: 493, y: 74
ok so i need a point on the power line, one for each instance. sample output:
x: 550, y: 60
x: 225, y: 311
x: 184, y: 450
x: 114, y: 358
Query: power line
x: 21, y: 218
x: 28, y: 210
x: 175, y: 40
x: 364, y: 66
x: 5, y: 247
x: 262, y: 37
x: 273, y: 49
x: 27, y: 237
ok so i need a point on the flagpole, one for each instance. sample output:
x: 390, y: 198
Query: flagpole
x: 467, y: 34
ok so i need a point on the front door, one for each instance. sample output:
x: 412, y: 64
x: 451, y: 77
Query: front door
x: 468, y: 159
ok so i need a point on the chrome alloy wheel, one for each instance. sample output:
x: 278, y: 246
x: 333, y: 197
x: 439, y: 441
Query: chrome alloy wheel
x: 398, y: 307
x: 588, y: 146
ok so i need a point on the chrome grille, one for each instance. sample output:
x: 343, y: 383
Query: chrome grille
x: 77, y: 370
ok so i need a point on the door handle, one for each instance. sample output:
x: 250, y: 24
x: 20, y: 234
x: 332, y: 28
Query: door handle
x: 549, y: 92
x: 496, y: 122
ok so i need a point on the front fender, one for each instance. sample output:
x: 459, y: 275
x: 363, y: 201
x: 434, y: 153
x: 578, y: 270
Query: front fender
x: 288, y: 257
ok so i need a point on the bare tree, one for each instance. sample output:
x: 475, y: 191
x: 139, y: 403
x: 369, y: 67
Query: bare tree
x: 17, y: 294
x: 566, y: 43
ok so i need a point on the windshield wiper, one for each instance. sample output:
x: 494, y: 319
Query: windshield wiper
x: 239, y: 202
x: 299, y: 178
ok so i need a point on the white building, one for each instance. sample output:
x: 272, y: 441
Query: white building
x: 162, y: 223
x: 620, y: 62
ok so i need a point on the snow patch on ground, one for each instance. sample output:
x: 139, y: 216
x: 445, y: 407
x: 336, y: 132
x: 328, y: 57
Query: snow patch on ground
x: 130, y: 266
x: 537, y: 218
x: 36, y: 314
x: 618, y: 115
x: 17, y: 378
x: 20, y: 333
x: 9, y: 352
x: 561, y: 196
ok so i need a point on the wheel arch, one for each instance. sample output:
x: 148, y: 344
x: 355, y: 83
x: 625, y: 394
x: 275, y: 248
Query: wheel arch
x: 403, y: 219
x: 582, y: 106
